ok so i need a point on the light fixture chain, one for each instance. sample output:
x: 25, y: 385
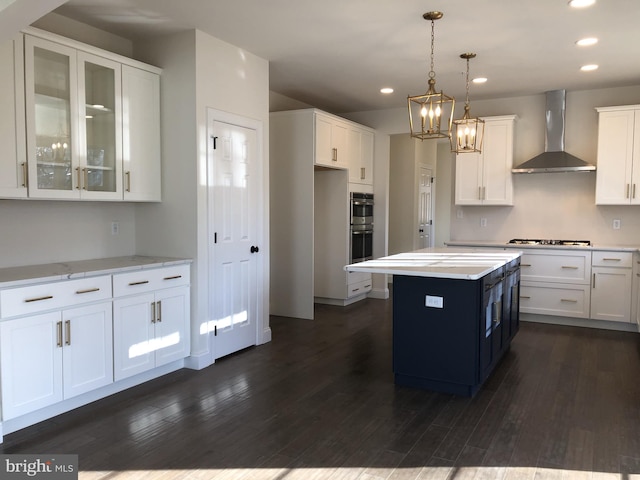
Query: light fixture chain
x: 467, y: 99
x: 432, y: 72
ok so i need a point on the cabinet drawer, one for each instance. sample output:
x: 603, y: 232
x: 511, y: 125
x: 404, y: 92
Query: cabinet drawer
x: 612, y: 259
x: 142, y: 281
x: 561, y: 267
x: 54, y: 295
x: 359, y: 288
x: 358, y: 277
x: 559, y: 300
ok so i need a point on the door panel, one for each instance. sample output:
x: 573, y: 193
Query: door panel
x: 233, y: 219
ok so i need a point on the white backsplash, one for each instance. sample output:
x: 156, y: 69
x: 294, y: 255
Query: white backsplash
x: 550, y: 205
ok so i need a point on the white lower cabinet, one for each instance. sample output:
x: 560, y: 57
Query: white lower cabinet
x: 75, y: 338
x: 149, y: 330
x: 54, y: 356
x: 611, y: 286
x: 151, y: 320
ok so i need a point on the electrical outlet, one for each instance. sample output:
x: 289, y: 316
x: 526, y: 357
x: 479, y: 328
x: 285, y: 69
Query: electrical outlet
x: 115, y: 228
x: 483, y: 222
x: 616, y: 224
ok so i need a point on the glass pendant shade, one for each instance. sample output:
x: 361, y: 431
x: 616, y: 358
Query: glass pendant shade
x: 468, y: 132
x: 431, y: 114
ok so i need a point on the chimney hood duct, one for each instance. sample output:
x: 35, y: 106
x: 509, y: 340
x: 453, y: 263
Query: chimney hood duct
x: 554, y: 158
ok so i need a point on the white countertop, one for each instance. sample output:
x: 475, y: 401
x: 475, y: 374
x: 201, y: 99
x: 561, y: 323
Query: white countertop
x: 459, y: 263
x: 593, y: 248
x: 16, y: 276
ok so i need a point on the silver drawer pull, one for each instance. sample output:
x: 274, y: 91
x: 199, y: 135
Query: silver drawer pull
x: 525, y: 264
x: 525, y: 297
x: 172, y: 278
x: 355, y: 290
x: 570, y: 266
x: 611, y: 259
x: 568, y: 300
x: 88, y: 290
x: 367, y: 286
x: 48, y: 297
x: 138, y: 283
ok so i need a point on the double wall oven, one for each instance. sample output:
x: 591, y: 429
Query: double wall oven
x: 361, y: 243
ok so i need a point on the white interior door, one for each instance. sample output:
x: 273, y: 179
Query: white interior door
x: 425, y: 208
x: 233, y: 207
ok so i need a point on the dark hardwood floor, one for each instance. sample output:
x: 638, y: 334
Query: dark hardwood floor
x: 319, y: 402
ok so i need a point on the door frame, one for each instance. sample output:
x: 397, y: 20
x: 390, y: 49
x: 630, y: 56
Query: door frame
x: 263, y: 330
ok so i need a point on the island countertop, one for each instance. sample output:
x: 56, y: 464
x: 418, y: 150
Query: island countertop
x: 459, y: 263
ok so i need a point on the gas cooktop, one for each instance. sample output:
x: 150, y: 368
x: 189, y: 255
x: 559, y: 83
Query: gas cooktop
x: 527, y: 241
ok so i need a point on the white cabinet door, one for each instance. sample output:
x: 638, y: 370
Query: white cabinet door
x: 13, y: 162
x: 360, y: 156
x: 614, y: 184
x: 497, y: 154
x: 141, y: 134
x: 51, y: 87
x: 133, y: 335
x: 330, y: 142
x: 100, y: 130
x: 88, y: 348
x: 150, y: 330
x: 485, y: 178
x: 611, y: 294
x: 171, y: 327
x: 30, y: 363
x: 469, y: 172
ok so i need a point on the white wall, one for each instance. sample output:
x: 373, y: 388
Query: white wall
x: 199, y: 72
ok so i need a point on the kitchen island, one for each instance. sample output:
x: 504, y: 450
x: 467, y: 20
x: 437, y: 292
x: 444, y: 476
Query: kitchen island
x: 455, y: 312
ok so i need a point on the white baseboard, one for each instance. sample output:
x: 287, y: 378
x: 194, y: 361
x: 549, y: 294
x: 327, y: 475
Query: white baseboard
x: 579, y: 322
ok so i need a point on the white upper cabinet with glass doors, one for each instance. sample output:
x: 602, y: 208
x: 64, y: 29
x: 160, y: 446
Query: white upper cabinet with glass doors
x: 76, y: 124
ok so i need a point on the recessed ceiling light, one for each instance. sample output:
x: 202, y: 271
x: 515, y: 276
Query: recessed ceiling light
x: 386, y: 90
x: 581, y: 3
x: 479, y: 80
x: 588, y: 68
x: 585, y: 42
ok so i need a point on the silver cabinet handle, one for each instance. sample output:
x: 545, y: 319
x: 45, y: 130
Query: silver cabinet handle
x: 479, y: 193
x: 142, y: 282
x: 174, y: 277
x: 88, y: 290
x: 153, y: 312
x: 627, y: 194
x: 525, y: 297
x: 570, y: 267
x: 334, y: 154
x: 611, y: 259
x: 159, y: 310
x: 67, y: 328
x: 594, y: 280
x: 127, y: 176
x: 362, y: 175
x: 29, y: 300
x: 59, y: 334
x: 525, y: 264
x: 24, y: 174
x: 570, y: 300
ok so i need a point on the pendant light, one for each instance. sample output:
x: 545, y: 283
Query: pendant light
x: 468, y: 131
x: 429, y: 109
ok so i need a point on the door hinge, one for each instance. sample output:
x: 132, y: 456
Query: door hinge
x: 215, y: 143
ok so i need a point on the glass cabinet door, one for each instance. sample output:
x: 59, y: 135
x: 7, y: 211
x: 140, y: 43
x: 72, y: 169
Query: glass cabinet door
x: 101, y: 138
x: 50, y: 78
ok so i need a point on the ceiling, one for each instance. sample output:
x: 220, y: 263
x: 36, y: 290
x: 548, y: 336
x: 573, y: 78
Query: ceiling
x: 337, y: 54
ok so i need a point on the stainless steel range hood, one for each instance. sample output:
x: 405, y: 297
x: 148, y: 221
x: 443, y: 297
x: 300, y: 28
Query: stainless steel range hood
x: 554, y: 158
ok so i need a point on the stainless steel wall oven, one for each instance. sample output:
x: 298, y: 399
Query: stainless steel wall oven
x: 361, y: 244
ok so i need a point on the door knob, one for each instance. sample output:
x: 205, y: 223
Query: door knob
x: 254, y: 249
